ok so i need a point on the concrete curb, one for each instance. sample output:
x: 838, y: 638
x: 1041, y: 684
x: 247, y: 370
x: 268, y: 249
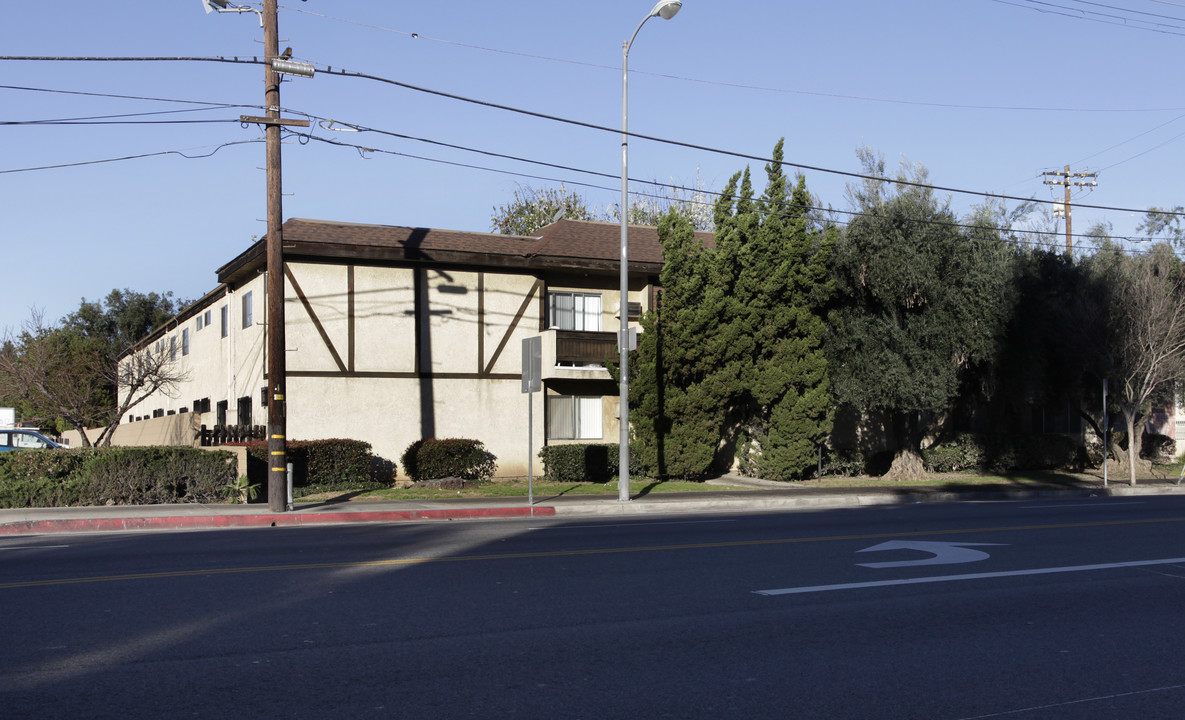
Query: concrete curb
x: 294, y: 519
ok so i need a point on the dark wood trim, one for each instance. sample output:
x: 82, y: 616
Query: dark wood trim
x: 350, y: 336
x: 379, y: 375
x: 308, y: 307
x: 518, y: 316
x: 481, y: 321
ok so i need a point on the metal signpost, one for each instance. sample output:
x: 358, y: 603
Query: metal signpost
x: 532, y: 383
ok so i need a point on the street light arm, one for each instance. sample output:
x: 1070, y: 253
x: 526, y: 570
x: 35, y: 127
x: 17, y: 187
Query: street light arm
x: 222, y: 6
x: 666, y: 10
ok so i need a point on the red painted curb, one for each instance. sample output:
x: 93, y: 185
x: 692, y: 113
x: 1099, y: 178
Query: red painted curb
x: 295, y: 519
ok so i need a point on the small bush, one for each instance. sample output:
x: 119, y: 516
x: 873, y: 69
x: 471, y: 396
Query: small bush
x: 1159, y: 448
x: 844, y: 463
x: 322, y: 463
x: 1001, y: 453
x: 580, y: 463
x: 433, y: 459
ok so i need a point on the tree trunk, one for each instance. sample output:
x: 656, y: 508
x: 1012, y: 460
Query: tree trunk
x: 907, y: 462
x: 1133, y: 448
x: 1133, y: 422
x: 907, y: 466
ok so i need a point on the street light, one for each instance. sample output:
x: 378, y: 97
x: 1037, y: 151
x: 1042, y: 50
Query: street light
x: 666, y: 10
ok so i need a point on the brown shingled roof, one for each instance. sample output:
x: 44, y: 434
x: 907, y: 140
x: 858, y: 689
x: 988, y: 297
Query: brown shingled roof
x: 566, y: 244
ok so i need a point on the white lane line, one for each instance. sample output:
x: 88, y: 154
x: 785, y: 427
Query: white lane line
x: 968, y: 576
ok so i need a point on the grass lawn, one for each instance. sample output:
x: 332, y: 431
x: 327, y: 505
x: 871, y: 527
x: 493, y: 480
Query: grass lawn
x: 952, y: 482
x: 518, y: 488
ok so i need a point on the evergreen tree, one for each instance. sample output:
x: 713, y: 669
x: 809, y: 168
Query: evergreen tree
x: 734, y: 352
x: 923, y: 305
x: 676, y: 418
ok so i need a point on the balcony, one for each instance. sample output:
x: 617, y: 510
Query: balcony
x: 577, y: 354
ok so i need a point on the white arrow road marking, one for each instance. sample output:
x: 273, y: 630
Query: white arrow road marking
x: 945, y: 553
x: 970, y: 576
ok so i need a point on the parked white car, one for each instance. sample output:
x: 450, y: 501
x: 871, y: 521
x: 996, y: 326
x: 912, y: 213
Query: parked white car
x: 25, y: 439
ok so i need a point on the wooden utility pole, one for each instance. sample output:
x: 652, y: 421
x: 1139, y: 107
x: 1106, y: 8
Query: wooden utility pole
x: 277, y: 425
x: 1065, y: 180
x: 274, y: 64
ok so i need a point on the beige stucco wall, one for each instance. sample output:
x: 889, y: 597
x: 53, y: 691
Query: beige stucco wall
x: 355, y: 369
x: 218, y: 368
x: 169, y: 430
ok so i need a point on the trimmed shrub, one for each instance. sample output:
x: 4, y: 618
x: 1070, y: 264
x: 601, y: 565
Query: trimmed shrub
x: 580, y: 463
x: 111, y: 476
x: 151, y: 475
x: 433, y: 459
x: 42, y: 478
x: 323, y: 464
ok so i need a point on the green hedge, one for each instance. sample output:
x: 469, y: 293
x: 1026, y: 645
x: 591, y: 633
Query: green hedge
x: 1001, y: 453
x: 117, y: 476
x: 583, y: 462
x: 587, y: 462
x: 316, y: 464
x: 433, y: 459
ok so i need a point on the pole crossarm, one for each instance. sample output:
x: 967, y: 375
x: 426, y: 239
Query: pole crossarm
x: 255, y: 120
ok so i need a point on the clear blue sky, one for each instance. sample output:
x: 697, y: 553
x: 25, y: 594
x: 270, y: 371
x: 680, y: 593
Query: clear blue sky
x: 986, y: 94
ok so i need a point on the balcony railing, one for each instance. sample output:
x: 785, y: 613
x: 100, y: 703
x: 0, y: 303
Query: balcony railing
x: 579, y: 346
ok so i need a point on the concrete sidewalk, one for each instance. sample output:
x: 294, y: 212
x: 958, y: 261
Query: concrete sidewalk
x: 733, y: 495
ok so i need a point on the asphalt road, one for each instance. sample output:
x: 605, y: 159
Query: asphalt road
x: 1029, y: 610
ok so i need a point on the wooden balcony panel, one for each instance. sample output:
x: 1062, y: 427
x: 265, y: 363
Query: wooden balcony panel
x: 583, y: 346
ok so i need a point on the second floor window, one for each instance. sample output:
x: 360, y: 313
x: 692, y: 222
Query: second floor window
x: 247, y: 317
x: 574, y: 311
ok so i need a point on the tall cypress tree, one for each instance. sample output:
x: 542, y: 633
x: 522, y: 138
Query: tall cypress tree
x: 784, y: 290
x: 736, y: 342
x: 676, y: 419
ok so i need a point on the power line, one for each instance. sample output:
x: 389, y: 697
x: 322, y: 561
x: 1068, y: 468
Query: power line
x: 577, y: 183
x: 329, y: 70
x: 702, y: 148
x: 131, y: 157
x: 1050, y: 8
x: 721, y: 83
x: 126, y: 97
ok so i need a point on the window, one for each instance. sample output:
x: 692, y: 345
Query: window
x: 224, y: 313
x: 185, y: 341
x: 247, y: 322
x: 573, y: 418
x: 173, y: 348
x: 574, y: 311
x: 220, y: 414
x: 244, y: 411
x: 199, y: 322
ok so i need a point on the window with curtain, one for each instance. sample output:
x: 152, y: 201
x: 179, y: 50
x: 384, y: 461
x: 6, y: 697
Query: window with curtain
x: 573, y: 418
x: 574, y: 311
